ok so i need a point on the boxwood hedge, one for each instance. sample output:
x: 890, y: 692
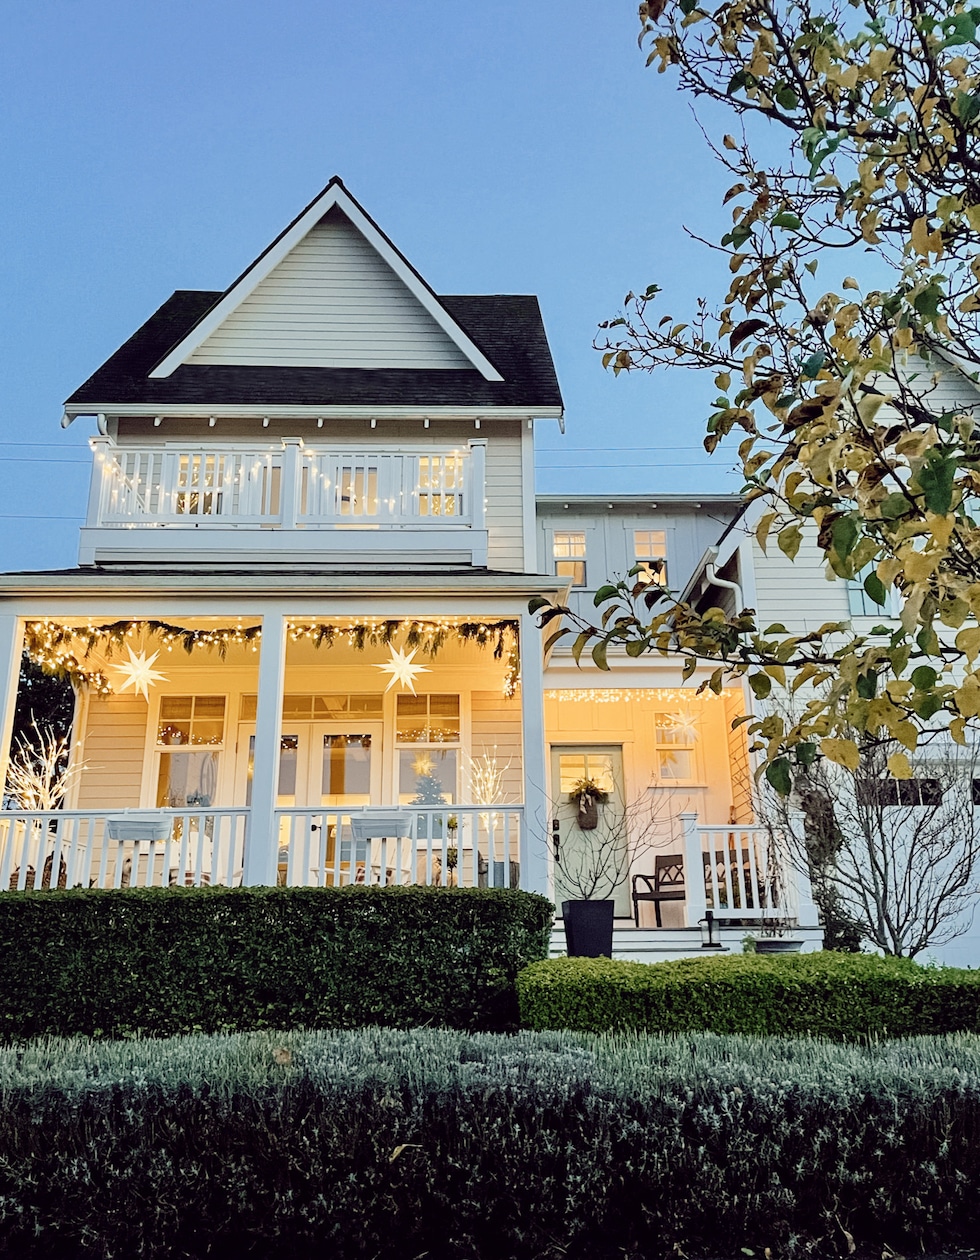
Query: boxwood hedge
x: 556, y: 1146
x: 170, y: 960
x: 842, y: 996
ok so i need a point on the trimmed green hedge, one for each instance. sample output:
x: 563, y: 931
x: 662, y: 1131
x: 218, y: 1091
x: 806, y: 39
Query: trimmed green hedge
x: 552, y: 1146
x: 841, y: 996
x: 162, y: 961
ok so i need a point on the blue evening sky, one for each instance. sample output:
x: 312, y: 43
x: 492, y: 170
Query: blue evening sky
x: 514, y: 146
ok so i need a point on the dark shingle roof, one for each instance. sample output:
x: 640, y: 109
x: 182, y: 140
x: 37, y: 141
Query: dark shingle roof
x: 507, y: 328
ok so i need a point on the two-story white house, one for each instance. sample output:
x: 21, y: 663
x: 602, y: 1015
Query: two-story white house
x: 298, y: 627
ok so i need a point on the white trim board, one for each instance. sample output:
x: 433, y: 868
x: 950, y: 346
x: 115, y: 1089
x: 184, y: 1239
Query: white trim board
x: 333, y: 195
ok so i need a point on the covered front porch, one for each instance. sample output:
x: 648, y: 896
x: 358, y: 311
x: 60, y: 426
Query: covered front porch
x: 401, y: 745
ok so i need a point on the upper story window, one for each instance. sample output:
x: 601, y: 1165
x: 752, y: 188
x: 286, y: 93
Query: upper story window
x: 650, y: 553
x: 569, y: 553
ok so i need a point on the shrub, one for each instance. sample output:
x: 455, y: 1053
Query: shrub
x: 169, y: 960
x: 841, y: 996
x: 401, y: 1144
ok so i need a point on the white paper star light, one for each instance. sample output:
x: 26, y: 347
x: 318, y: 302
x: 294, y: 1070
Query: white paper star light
x: 401, y: 669
x: 139, y: 673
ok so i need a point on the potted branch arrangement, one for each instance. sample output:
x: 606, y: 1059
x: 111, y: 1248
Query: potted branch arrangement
x: 591, y: 870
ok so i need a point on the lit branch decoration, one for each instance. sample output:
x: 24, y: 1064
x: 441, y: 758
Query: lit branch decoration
x: 62, y: 650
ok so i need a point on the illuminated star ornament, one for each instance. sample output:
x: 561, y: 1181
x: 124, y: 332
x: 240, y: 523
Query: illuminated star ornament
x: 401, y: 669
x: 139, y: 673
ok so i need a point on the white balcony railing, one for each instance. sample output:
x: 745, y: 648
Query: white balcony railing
x: 292, y: 486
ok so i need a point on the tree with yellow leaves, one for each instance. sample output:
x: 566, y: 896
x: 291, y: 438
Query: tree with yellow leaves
x: 852, y: 268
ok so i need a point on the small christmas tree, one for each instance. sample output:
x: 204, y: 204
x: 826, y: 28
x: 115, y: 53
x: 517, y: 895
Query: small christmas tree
x: 428, y: 791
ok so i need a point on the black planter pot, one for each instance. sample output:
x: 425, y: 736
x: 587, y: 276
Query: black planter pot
x: 588, y: 928
x: 777, y: 945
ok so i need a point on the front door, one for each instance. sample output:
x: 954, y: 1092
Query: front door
x: 591, y: 863
x: 321, y: 764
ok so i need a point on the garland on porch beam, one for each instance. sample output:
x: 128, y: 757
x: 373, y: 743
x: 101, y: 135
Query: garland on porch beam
x: 55, y: 647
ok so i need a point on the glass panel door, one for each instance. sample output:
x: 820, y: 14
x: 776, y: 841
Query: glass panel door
x: 349, y: 766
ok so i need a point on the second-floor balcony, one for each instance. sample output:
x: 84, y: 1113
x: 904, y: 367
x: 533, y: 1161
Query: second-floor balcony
x: 185, y: 503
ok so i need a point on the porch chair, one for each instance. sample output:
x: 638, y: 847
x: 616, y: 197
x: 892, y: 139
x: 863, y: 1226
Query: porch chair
x: 666, y: 884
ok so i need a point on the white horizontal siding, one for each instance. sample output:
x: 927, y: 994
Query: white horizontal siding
x: 796, y: 592
x: 496, y: 733
x: 331, y: 302
x: 112, y: 753
x: 505, y: 499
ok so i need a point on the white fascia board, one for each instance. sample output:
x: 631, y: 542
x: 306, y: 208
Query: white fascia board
x: 333, y: 195
x: 389, y: 411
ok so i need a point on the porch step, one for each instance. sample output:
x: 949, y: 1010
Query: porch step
x: 666, y: 944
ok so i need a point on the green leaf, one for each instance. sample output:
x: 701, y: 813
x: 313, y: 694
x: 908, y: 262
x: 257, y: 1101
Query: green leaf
x: 845, y: 535
x: 936, y: 480
x: 785, y: 97
x: 636, y: 647
x: 961, y: 28
x: 578, y: 647
x: 786, y: 219
x: 875, y: 588
x: 894, y: 506
x: 779, y: 776
x: 599, y: 654
x: 924, y: 678
x: 813, y: 364
x: 539, y: 601
x: 806, y: 754
x: 604, y: 593
x: 761, y: 685
x: 867, y: 685
x: 967, y: 107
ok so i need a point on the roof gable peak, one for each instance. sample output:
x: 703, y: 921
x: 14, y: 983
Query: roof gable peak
x: 333, y: 211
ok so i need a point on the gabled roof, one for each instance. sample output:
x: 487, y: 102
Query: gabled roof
x: 507, y: 328
x: 332, y: 203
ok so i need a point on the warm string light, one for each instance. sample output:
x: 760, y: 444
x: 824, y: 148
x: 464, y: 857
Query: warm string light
x: 61, y: 649
x: 615, y: 695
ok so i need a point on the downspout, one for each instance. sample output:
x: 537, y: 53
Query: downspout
x: 714, y: 580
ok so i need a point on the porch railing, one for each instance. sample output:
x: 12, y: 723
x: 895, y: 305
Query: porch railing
x: 287, y: 487
x: 743, y: 874
x: 466, y: 845
x: 469, y: 846
x: 45, y: 849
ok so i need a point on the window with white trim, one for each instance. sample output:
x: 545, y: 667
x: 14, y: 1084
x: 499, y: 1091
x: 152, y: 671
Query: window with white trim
x: 428, y: 733
x: 189, y: 739
x: 650, y: 553
x: 568, y: 549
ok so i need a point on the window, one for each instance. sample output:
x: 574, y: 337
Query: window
x: 650, y: 553
x: 195, y: 725
x: 428, y: 770
x: 569, y: 553
x: 899, y: 792
x: 675, y: 737
x: 860, y: 603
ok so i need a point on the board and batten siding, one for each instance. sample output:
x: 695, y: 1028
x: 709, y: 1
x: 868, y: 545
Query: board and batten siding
x: 796, y: 592
x: 112, y: 753
x: 495, y: 731
x: 332, y: 302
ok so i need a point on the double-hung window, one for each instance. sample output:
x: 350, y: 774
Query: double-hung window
x: 190, y: 739
x: 650, y: 554
x: 569, y: 555
x: 428, y: 735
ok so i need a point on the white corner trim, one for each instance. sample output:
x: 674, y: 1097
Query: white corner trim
x: 333, y: 195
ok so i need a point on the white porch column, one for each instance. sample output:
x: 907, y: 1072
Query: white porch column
x: 695, y: 899
x: 535, y: 873
x: 11, y: 648
x: 261, y: 859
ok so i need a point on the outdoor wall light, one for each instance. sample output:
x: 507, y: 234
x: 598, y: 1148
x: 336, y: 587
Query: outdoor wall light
x: 710, y: 931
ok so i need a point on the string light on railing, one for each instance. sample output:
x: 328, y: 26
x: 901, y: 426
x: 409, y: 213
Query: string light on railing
x: 617, y: 695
